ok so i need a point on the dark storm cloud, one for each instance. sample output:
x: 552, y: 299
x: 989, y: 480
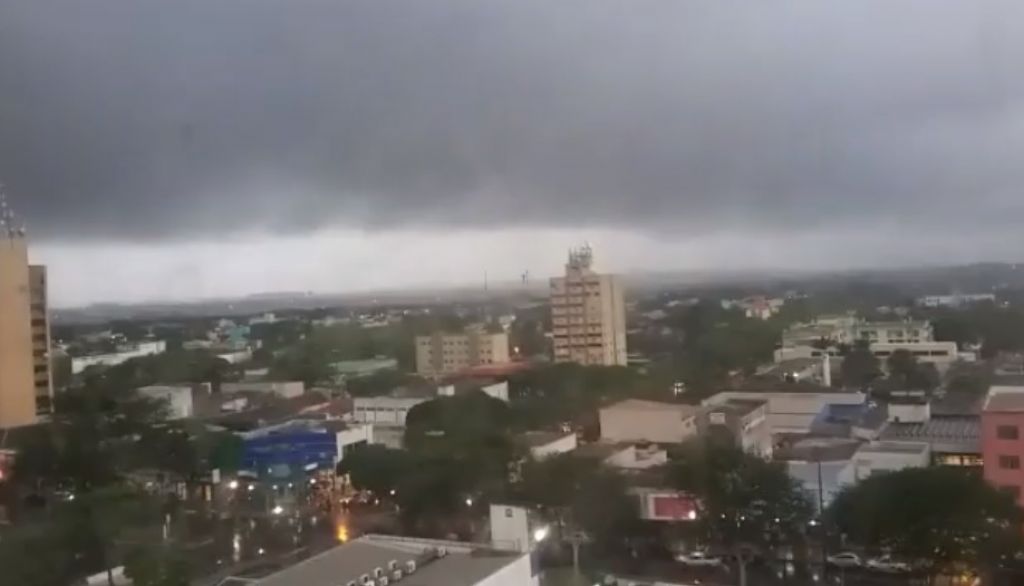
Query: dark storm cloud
x: 150, y: 119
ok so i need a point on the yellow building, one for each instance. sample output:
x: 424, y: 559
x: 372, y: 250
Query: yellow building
x: 441, y: 354
x: 588, y: 314
x: 25, y: 385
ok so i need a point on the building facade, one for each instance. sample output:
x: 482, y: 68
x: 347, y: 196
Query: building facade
x: 124, y: 354
x: 441, y: 354
x: 588, y: 314
x: 1002, y: 440
x: 26, y: 389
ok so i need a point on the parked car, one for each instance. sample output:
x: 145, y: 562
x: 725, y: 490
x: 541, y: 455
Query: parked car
x: 889, y: 565
x: 698, y: 559
x: 846, y: 559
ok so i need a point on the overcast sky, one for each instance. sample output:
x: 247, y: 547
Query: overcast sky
x: 187, y: 148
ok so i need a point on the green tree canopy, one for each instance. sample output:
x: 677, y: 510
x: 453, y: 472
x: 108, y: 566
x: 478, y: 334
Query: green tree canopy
x: 743, y: 499
x: 947, y: 516
x: 859, y: 366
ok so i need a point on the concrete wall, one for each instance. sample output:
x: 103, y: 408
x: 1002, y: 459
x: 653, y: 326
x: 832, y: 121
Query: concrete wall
x: 510, y: 528
x: 562, y: 445
x: 347, y: 438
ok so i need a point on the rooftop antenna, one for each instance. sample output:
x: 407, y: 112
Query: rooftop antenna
x: 525, y: 277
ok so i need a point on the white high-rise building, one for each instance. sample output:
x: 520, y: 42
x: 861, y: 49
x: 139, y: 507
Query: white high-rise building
x: 588, y: 314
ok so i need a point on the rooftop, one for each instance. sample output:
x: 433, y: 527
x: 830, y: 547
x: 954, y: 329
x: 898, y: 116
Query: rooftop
x: 892, y: 447
x: 818, y: 449
x: 947, y: 434
x: 1005, y: 399
x: 534, y: 439
x: 643, y: 405
x: 464, y: 565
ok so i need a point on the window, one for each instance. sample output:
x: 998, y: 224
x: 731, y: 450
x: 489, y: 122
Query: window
x: 1007, y: 432
x: 1009, y: 462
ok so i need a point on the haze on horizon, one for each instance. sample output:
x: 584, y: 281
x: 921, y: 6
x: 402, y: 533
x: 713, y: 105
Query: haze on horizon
x: 187, y: 149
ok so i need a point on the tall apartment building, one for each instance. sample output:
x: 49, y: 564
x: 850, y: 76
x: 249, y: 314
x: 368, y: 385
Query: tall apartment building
x: 441, y: 353
x: 588, y: 314
x: 25, y: 385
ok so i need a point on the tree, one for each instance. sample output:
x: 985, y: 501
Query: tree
x: 860, y: 366
x: 376, y: 468
x: 34, y: 556
x: 947, y: 516
x: 901, y: 365
x: 743, y: 499
x: 581, y: 494
x: 156, y: 566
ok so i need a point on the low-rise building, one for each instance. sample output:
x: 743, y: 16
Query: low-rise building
x: 286, y: 389
x: 123, y: 354
x: 636, y: 420
x: 957, y: 300
x: 877, y: 457
x: 378, y: 560
x: 820, y: 465
x: 791, y: 409
x: 300, y: 446
x: 442, y: 354
x: 743, y: 421
x: 389, y: 410
x: 177, y: 399
x: 543, y: 444
x: 360, y: 368
x: 952, y: 441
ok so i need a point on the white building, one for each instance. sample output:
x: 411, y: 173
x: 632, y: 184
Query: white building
x: 543, y: 444
x: 285, y: 389
x: 789, y: 412
x: 385, y: 410
x: 124, y: 354
x: 236, y: 356
x: 878, y: 457
x: 954, y: 301
x: 515, y: 528
x: 497, y: 390
x: 383, y: 560
x: 177, y: 399
x: 635, y: 420
x: 941, y: 354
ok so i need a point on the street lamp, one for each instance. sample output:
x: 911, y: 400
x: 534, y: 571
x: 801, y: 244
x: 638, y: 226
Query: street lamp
x: 540, y: 533
x: 277, y: 510
x: 233, y: 484
x: 469, y: 501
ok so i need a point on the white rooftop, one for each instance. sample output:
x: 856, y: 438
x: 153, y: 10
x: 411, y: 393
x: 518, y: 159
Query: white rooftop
x: 462, y: 565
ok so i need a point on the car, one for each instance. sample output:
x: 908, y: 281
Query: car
x: 698, y: 559
x: 888, y: 564
x: 846, y: 559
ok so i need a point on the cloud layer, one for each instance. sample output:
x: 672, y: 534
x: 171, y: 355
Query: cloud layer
x: 154, y: 121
